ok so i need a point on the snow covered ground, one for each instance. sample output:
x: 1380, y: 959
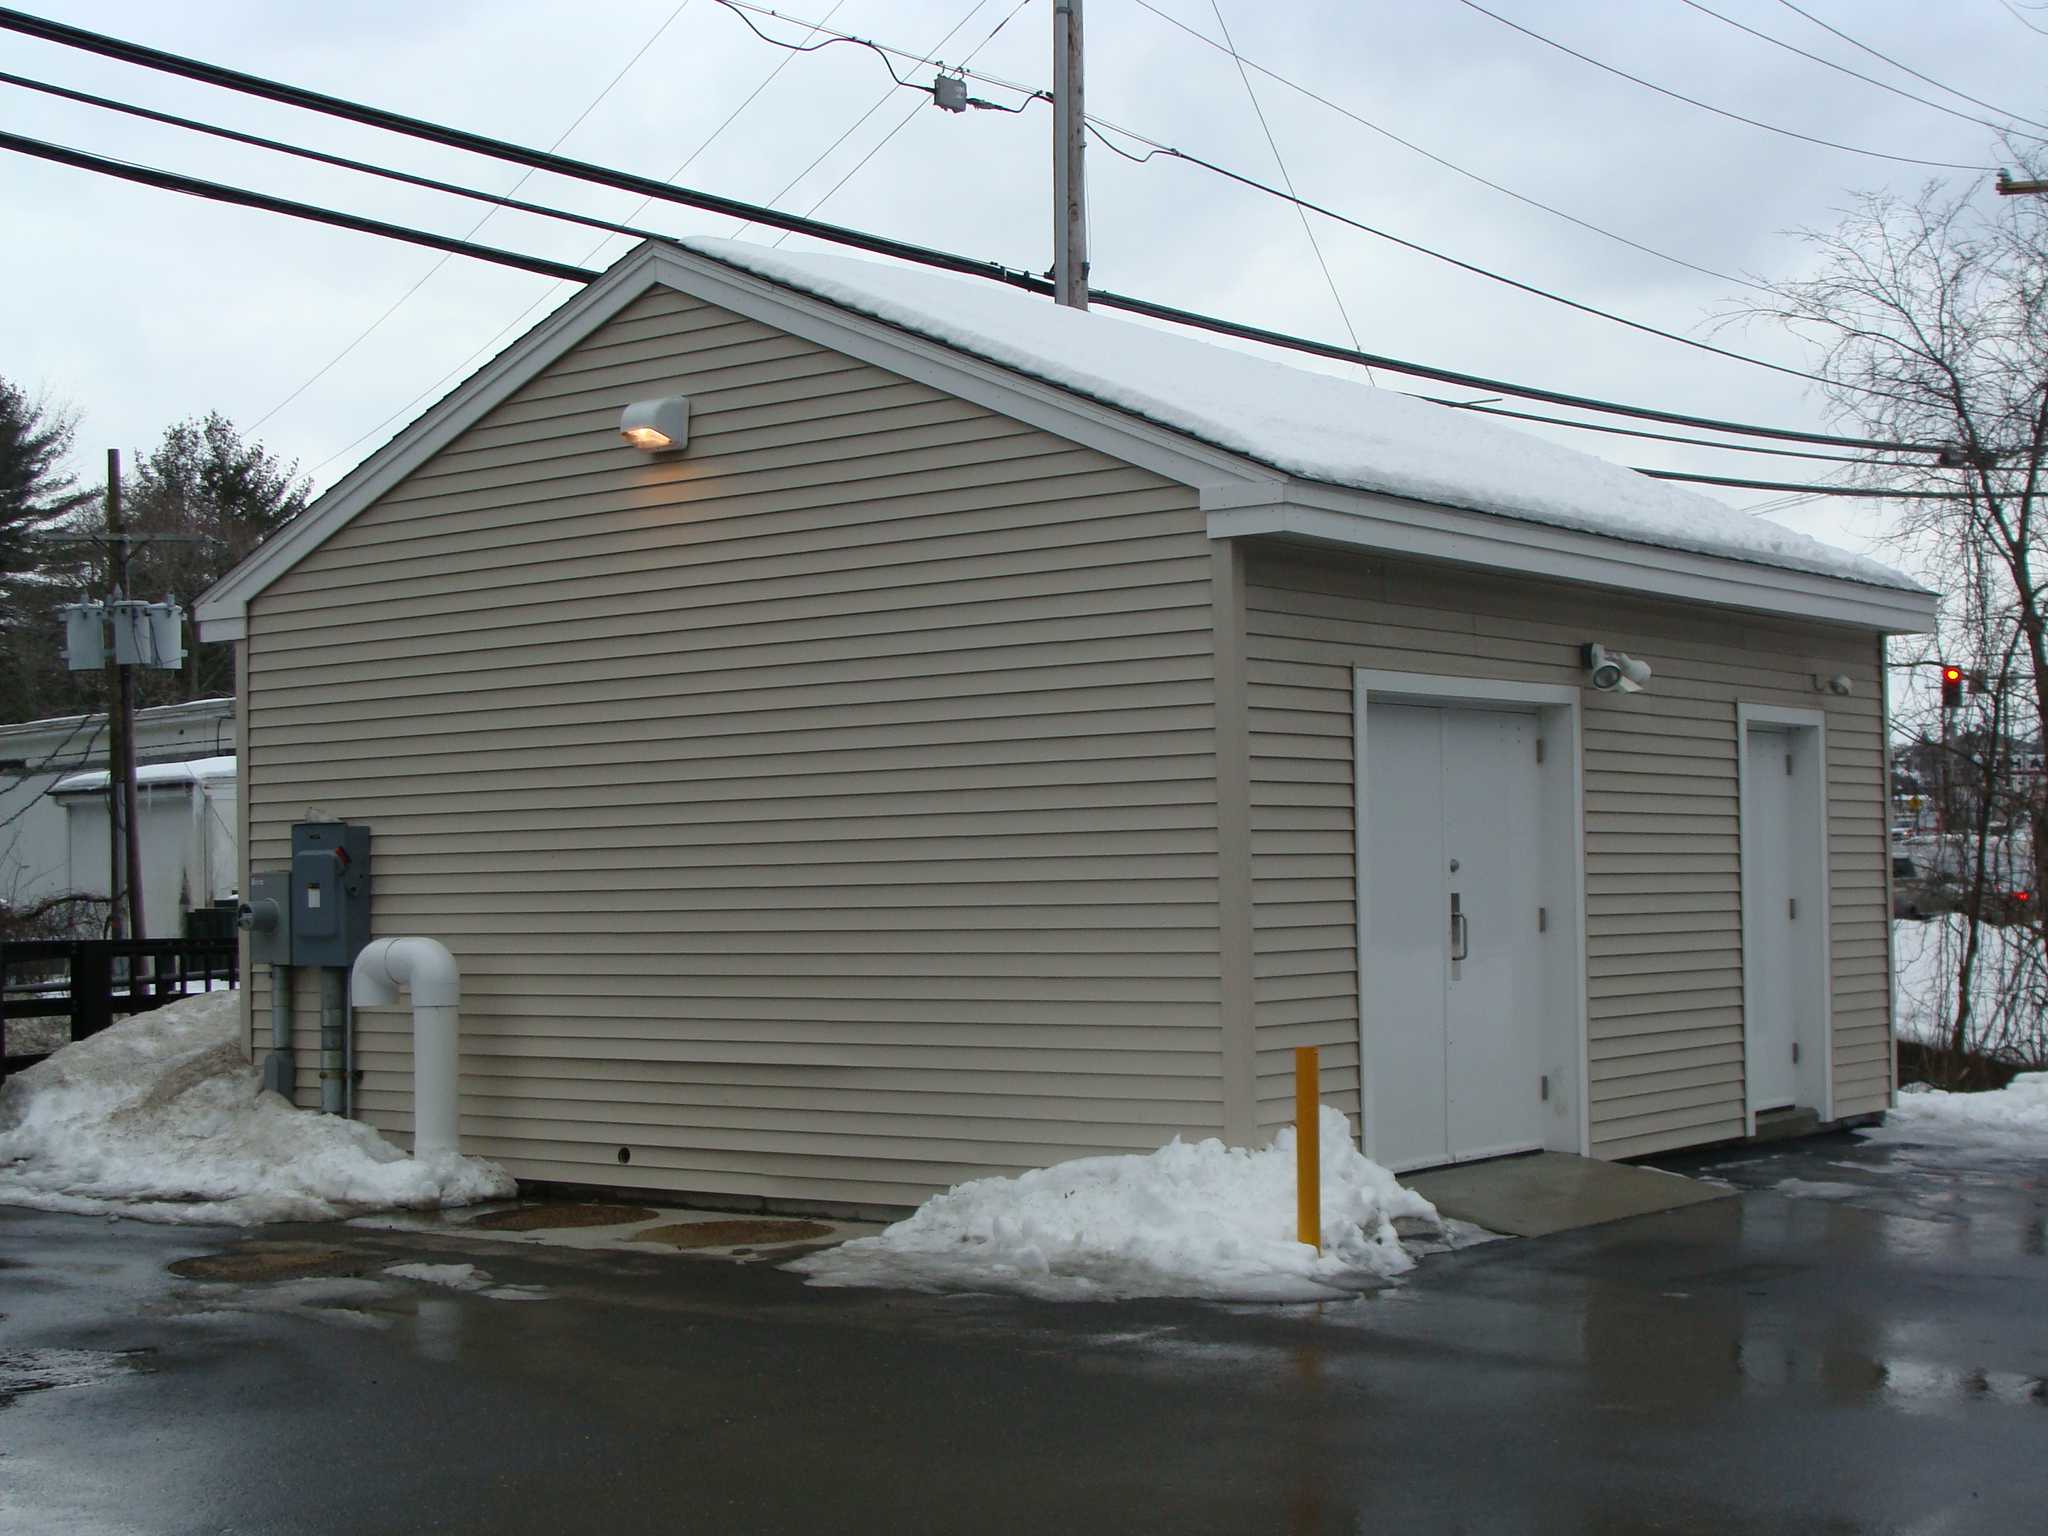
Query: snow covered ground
x: 1200, y: 1220
x: 2010, y: 984
x: 162, y: 1118
x: 2011, y: 1119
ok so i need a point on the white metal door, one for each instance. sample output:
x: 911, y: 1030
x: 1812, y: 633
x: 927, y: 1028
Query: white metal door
x: 1451, y: 985
x: 1768, y: 844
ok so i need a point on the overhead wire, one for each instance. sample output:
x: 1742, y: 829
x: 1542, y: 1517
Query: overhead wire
x: 1827, y: 63
x: 474, y: 229
x: 462, y: 369
x: 854, y: 127
x: 1909, y: 69
x: 1694, y: 101
x: 144, y: 56
x: 923, y: 255
x: 882, y: 144
x: 1273, y: 144
x: 1487, y: 408
x: 214, y: 191
x: 1534, y: 290
x: 1451, y: 165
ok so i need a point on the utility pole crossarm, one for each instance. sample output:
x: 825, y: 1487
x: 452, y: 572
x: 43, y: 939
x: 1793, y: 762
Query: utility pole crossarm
x: 2007, y: 187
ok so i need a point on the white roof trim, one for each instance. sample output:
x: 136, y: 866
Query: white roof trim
x: 1322, y: 514
x: 1241, y: 496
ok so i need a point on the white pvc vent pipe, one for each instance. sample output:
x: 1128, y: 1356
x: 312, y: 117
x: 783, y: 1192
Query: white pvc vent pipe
x: 382, y: 970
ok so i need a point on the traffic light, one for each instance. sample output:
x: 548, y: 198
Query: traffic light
x: 1951, y: 687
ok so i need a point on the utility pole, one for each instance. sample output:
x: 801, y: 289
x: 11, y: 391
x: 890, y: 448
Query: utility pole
x: 1069, y: 171
x: 125, y: 836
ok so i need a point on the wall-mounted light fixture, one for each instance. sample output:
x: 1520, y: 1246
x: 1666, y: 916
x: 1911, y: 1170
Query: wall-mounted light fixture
x: 1610, y: 671
x: 657, y: 426
x: 1841, y: 685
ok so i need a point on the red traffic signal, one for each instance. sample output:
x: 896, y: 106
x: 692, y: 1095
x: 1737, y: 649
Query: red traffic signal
x: 1951, y: 687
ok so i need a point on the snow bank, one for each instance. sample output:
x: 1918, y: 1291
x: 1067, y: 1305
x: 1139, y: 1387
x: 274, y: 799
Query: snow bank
x: 2009, y: 984
x: 2015, y: 1117
x: 1319, y: 426
x: 1200, y: 1220
x: 161, y: 1118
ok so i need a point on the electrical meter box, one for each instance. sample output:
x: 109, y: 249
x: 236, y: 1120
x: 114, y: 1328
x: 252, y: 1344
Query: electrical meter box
x: 267, y: 914
x: 330, y: 892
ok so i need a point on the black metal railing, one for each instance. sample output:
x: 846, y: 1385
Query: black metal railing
x: 92, y: 982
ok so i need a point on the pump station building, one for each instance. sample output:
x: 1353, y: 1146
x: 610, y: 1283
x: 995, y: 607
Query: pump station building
x: 859, y: 730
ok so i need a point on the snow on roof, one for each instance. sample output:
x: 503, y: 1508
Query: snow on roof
x: 201, y: 770
x: 1312, y: 425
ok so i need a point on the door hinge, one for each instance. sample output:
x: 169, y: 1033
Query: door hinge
x: 1539, y: 749
x: 1544, y: 1091
x: 1788, y: 765
x: 1795, y: 1053
x: 1792, y: 908
x: 1543, y: 919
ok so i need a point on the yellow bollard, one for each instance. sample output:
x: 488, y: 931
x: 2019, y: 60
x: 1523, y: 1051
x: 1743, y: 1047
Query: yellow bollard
x: 1308, y: 1148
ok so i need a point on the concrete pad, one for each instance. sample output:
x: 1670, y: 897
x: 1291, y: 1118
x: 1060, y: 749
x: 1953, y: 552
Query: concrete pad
x: 1543, y: 1192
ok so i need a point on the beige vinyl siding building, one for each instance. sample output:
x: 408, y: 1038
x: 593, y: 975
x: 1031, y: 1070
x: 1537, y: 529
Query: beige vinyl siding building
x: 930, y: 772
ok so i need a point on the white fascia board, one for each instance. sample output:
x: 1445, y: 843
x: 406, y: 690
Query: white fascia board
x: 1389, y: 525
x: 222, y: 612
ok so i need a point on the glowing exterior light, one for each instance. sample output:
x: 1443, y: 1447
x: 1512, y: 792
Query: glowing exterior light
x: 657, y: 426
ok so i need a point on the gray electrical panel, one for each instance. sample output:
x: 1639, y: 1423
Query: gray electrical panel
x: 330, y: 892
x: 267, y: 914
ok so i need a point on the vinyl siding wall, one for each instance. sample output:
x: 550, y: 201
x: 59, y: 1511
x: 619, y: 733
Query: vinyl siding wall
x: 827, y: 813
x: 1663, y: 916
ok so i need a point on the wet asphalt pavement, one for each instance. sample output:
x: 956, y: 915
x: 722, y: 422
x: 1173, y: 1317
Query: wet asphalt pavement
x: 1862, y: 1349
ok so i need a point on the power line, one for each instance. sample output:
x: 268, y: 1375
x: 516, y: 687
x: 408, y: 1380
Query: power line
x: 499, y: 200
x: 214, y: 191
x: 2016, y: 16
x: 1450, y: 165
x: 1693, y: 101
x: 949, y: 261
x: 1909, y: 69
x: 475, y: 143
x: 1300, y: 212
x: 1476, y: 270
x: 851, y: 128
x: 1827, y: 63
x: 1487, y: 408
x: 1782, y: 485
x: 489, y: 214
x: 882, y: 144
x: 462, y: 368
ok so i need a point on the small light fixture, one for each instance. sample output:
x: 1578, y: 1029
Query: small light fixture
x: 657, y: 426
x: 1841, y: 685
x: 1611, y: 672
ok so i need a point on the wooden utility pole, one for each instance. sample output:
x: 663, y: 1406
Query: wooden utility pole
x: 124, y: 835
x: 1069, y: 173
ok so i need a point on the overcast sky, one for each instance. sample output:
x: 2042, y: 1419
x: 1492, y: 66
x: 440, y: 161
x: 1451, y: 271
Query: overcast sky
x: 138, y: 308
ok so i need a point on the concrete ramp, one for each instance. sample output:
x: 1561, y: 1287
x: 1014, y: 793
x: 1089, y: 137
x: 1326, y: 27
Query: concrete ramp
x: 1544, y: 1192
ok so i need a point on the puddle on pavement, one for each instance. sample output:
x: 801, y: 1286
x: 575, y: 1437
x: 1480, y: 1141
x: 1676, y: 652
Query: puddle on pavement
x: 754, y: 1232
x: 47, y: 1370
x: 257, y: 1262
x: 550, y: 1217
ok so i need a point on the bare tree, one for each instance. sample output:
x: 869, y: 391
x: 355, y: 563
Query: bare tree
x: 1930, y: 315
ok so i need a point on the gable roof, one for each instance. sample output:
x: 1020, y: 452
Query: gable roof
x: 1273, y: 448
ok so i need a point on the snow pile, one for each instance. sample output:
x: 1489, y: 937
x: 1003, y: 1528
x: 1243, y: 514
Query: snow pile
x: 1199, y: 1220
x: 161, y: 1118
x: 2008, y: 985
x: 2014, y: 1117
x: 1316, y: 425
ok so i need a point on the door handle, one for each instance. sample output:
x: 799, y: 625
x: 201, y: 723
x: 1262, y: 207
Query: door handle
x: 1461, y: 932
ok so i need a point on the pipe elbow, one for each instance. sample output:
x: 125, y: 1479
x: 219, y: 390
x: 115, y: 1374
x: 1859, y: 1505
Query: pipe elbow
x: 422, y: 966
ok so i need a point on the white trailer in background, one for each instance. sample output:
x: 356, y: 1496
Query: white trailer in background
x: 187, y: 816
x: 53, y: 809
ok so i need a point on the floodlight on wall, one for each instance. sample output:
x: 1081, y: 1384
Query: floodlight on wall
x: 657, y: 426
x: 1611, y: 672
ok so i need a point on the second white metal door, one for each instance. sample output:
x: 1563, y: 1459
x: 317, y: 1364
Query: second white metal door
x: 1453, y: 891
